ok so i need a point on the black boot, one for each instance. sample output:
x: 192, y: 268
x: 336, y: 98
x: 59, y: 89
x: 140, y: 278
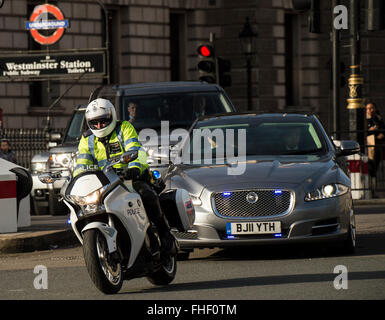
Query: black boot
x: 155, y: 214
x: 169, y: 244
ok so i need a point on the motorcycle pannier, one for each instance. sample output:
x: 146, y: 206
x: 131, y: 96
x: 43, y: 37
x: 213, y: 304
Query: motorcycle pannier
x: 178, y: 208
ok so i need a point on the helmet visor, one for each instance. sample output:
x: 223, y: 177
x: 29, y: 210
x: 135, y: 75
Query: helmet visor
x: 97, y: 124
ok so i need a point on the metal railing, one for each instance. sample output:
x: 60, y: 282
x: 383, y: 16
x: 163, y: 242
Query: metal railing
x: 26, y: 143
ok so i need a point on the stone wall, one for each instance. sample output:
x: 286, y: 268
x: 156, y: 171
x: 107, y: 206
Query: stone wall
x: 142, y: 37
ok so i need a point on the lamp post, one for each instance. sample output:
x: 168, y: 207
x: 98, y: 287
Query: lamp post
x: 355, y: 101
x: 248, y: 44
x: 336, y: 75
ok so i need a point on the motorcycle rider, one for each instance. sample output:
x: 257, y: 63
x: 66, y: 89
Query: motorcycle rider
x: 108, y: 138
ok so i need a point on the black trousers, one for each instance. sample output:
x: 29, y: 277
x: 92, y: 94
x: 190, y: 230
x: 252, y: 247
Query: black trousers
x: 152, y: 205
x: 374, y: 164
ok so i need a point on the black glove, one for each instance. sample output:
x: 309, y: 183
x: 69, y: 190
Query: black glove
x: 159, y: 185
x: 132, y: 174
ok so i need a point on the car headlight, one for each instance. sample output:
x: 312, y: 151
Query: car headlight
x: 39, y: 167
x: 327, y: 191
x: 60, y: 160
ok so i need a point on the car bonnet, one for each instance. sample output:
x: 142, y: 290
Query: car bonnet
x: 257, y: 172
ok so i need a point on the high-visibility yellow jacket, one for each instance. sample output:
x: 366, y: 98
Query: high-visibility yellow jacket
x: 93, y: 153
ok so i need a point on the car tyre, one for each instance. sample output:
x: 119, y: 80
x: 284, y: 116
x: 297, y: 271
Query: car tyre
x: 56, y: 207
x: 183, y: 255
x: 36, y: 209
x: 349, y: 245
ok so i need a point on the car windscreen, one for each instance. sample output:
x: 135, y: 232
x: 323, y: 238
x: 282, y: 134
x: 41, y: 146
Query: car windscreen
x: 180, y: 110
x: 76, y: 128
x: 255, y: 137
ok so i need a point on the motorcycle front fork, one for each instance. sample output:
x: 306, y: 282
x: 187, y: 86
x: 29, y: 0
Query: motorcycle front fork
x: 117, y: 256
x: 111, y: 221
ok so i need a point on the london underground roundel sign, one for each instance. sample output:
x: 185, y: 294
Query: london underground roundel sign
x: 44, y: 19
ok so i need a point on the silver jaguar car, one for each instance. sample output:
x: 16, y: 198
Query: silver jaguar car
x: 264, y: 178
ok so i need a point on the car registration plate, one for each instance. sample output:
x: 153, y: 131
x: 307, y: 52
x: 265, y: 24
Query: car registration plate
x: 236, y: 228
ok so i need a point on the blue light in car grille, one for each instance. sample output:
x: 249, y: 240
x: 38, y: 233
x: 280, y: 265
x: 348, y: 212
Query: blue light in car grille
x: 230, y: 237
x: 277, y: 191
x: 278, y: 235
x: 226, y: 194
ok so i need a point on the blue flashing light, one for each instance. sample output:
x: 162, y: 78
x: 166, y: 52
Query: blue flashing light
x: 230, y: 237
x: 228, y: 228
x: 226, y: 194
x: 277, y: 191
x: 278, y: 235
x: 156, y: 174
x: 69, y: 221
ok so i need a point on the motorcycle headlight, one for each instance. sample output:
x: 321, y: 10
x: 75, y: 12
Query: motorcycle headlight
x: 327, y: 191
x: 90, y: 199
x: 39, y: 167
x: 90, y: 203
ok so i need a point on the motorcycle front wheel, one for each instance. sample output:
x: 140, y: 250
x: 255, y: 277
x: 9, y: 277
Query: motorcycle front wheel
x: 166, y: 273
x: 104, y: 270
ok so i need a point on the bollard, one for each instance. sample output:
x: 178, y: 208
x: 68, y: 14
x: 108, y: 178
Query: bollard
x: 8, y: 201
x: 355, y: 175
x: 365, y: 176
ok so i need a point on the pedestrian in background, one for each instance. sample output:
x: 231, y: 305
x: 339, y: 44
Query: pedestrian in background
x: 375, y: 139
x: 5, y: 151
x: 200, y: 106
x: 132, y: 107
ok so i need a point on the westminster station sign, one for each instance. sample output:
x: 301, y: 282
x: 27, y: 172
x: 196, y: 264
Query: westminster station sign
x: 60, y: 65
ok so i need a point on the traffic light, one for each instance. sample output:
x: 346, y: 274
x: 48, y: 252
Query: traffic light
x: 314, y: 8
x: 224, y: 68
x: 375, y: 15
x: 206, y: 63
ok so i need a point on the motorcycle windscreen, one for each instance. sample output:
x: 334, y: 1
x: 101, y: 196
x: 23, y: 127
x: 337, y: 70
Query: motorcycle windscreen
x: 87, y: 183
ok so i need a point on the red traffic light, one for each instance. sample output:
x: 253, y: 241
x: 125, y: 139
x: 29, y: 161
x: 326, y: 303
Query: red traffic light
x: 206, y: 51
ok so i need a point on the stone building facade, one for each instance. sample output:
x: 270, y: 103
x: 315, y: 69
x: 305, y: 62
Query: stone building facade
x: 156, y: 40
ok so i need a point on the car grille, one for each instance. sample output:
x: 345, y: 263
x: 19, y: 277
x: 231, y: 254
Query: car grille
x: 270, y: 202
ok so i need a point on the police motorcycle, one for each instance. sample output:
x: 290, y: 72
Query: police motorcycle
x: 110, y: 221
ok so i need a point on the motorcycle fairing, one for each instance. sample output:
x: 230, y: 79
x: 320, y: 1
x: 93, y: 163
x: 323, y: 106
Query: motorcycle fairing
x: 129, y: 209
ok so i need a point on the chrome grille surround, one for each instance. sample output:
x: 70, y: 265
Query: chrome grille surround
x: 268, y: 204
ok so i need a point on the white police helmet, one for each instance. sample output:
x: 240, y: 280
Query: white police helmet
x: 102, y: 111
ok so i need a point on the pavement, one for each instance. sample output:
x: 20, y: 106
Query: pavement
x: 51, y: 232
x: 45, y: 233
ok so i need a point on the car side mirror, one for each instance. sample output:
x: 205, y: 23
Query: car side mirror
x: 347, y: 147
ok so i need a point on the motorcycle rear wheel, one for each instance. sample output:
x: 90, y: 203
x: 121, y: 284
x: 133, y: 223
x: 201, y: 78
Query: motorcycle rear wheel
x: 166, y: 273
x: 105, y: 273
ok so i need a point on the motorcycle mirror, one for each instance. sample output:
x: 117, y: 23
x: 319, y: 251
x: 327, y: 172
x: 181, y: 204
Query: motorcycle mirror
x: 129, y: 156
x: 47, y: 178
